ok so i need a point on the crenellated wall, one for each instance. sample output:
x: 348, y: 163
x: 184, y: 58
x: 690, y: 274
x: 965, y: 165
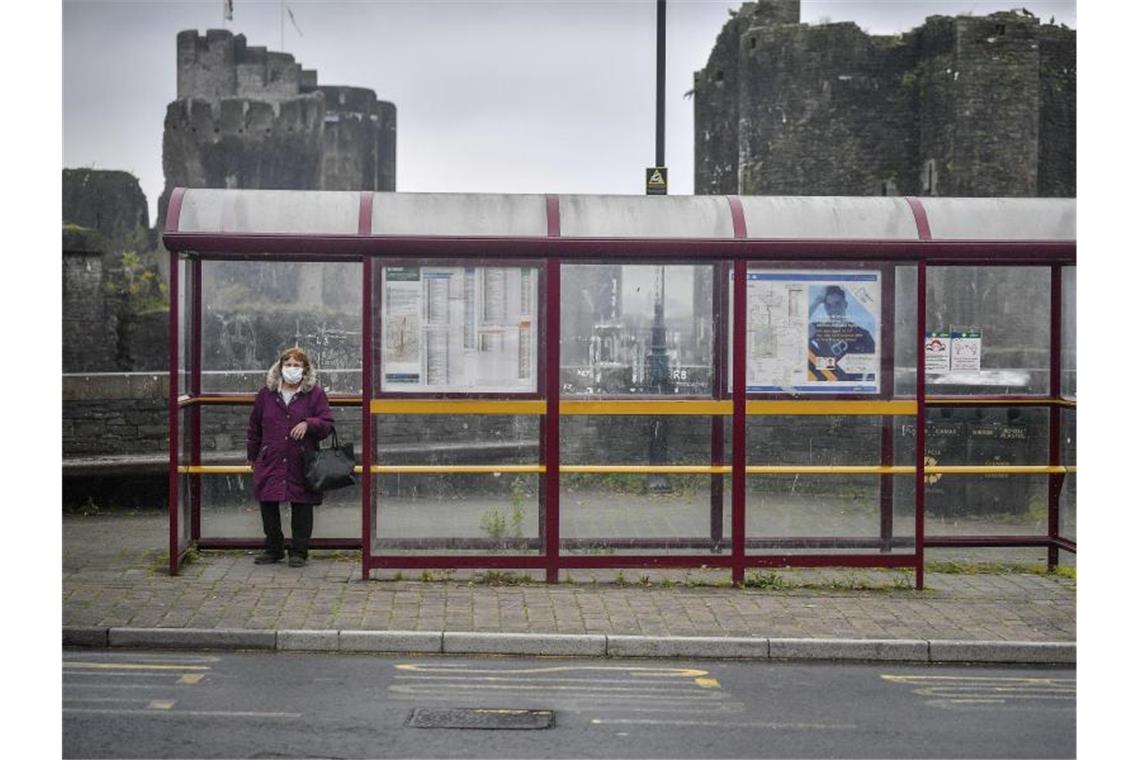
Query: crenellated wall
x: 247, y: 117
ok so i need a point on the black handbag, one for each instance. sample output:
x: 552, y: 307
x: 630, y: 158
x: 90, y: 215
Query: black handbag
x: 331, y: 468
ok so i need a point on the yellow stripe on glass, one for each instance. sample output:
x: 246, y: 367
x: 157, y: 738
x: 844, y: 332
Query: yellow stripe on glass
x: 679, y: 469
x: 834, y: 408
x: 457, y: 406
x: 653, y: 407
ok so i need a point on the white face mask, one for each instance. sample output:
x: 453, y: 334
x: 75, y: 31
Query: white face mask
x: 292, y: 375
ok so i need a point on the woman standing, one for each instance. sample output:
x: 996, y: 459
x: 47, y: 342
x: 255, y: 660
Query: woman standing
x: 290, y: 414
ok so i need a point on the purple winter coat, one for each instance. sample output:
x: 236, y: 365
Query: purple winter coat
x: 278, y: 467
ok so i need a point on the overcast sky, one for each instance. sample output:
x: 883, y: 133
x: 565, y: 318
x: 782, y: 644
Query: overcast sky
x: 522, y: 96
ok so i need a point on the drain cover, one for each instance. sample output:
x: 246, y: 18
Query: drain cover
x: 497, y: 718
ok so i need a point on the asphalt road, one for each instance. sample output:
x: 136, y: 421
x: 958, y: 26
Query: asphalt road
x: 277, y: 705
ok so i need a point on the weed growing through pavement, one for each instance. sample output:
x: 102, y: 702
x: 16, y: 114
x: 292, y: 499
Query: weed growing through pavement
x: 500, y: 578
x: 498, y: 525
x: 770, y: 581
x: 160, y: 561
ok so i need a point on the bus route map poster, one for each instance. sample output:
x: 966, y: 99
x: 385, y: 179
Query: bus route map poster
x: 813, y: 332
x: 459, y: 329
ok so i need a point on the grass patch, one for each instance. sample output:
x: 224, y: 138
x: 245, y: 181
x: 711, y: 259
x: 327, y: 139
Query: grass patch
x: 159, y: 561
x: 500, y: 578
x: 773, y: 581
x: 999, y: 568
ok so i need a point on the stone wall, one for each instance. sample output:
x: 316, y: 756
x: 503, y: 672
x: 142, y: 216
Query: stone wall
x: 108, y: 249
x: 112, y: 204
x: 965, y: 106
x: 88, y: 332
x: 243, y: 143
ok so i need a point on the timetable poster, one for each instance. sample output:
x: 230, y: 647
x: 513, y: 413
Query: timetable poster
x: 813, y: 332
x: 459, y: 329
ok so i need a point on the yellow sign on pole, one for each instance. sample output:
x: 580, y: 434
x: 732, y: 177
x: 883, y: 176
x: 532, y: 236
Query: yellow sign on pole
x: 656, y: 180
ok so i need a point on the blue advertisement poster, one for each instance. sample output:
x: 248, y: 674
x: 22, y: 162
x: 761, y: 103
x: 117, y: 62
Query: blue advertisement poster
x: 814, y: 332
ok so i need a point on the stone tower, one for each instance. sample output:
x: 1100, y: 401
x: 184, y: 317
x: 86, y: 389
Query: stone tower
x: 250, y: 118
x: 965, y: 106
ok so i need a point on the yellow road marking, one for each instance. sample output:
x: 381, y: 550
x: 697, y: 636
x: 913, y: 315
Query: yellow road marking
x: 419, y: 677
x: 191, y: 678
x: 131, y: 666
x: 161, y: 704
x: 593, y: 695
x: 112, y: 674
x: 708, y: 683
x: 632, y: 670
x: 725, y: 724
x: 966, y: 690
x: 520, y: 686
x: 988, y: 679
x: 183, y: 713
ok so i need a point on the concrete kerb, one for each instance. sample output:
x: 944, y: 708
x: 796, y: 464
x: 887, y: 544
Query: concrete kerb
x: 867, y: 650
x: 191, y: 638
x: 688, y: 646
x: 1028, y: 652
x: 572, y: 645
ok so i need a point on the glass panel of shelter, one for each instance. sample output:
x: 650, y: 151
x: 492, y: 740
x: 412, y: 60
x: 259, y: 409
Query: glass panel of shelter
x: 634, y: 480
x: 823, y: 335
x: 455, y: 417
x: 994, y: 322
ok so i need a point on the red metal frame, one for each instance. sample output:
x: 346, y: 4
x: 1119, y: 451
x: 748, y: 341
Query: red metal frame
x: 367, y: 352
x: 936, y: 253
x: 548, y: 253
x: 920, y: 429
x: 739, y: 416
x: 1056, y: 482
x: 552, y: 455
x: 174, y: 551
x: 195, y: 411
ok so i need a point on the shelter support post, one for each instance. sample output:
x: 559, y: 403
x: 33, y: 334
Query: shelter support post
x: 739, y: 418
x: 1056, y: 480
x: 549, y: 442
x: 172, y: 416
x: 366, y: 420
x: 920, y: 430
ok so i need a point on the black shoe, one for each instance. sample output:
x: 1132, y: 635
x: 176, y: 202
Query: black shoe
x: 298, y: 560
x: 267, y: 558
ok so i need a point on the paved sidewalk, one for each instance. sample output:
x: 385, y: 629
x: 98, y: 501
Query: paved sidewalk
x: 115, y: 589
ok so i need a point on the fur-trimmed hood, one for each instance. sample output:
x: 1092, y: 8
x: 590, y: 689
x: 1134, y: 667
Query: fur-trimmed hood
x: 273, y: 377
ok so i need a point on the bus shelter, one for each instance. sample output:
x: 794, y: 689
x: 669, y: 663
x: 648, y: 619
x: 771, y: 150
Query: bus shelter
x: 563, y: 382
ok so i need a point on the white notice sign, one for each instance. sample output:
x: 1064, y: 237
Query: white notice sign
x: 459, y: 329
x: 937, y: 353
x: 966, y: 350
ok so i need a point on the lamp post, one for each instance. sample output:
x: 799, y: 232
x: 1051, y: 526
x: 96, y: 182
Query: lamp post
x: 659, y: 383
x: 658, y: 359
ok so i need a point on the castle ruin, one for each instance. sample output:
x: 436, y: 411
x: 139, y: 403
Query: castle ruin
x: 979, y: 106
x: 250, y: 118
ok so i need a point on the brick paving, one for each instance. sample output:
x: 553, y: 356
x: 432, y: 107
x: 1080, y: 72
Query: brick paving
x: 114, y: 575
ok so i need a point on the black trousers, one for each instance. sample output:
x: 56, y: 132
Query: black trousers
x: 300, y: 522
